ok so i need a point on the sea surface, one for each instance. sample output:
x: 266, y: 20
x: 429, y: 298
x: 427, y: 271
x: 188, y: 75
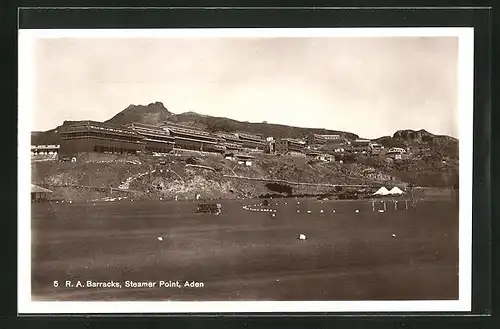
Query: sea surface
x: 351, y: 251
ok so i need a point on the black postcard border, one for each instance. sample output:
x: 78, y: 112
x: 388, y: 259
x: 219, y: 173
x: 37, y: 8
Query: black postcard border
x: 479, y: 18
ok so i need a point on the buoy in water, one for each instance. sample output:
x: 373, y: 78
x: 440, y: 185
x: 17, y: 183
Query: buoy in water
x: 160, y: 238
x: 321, y: 210
x: 357, y: 210
x: 302, y: 236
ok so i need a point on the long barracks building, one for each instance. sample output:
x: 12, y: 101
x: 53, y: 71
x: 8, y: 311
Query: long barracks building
x: 315, y: 139
x: 192, y: 138
x: 156, y: 139
x: 91, y: 136
x: 252, y: 141
x: 133, y: 138
x: 231, y: 142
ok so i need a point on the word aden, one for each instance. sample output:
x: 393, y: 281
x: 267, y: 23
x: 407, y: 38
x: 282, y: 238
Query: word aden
x: 164, y: 284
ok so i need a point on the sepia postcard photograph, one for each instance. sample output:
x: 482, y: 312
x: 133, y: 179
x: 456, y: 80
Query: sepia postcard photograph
x: 245, y: 170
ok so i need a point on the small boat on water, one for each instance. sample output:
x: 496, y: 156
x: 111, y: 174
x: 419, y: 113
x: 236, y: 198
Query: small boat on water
x: 209, y: 208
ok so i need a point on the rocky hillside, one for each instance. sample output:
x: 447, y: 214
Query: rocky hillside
x: 214, y: 124
x: 434, y: 145
x: 185, y: 176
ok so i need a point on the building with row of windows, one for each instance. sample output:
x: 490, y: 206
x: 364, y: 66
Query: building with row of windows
x: 289, y: 146
x: 361, y: 145
x: 252, y: 142
x: 327, y: 143
x: 397, y: 153
x: 365, y: 146
x: 376, y: 148
x: 318, y: 139
x: 156, y: 139
x: 91, y: 136
x: 192, y: 138
x: 44, y: 149
x: 231, y: 142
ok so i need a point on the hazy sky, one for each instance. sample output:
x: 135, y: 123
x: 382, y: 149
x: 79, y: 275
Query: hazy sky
x: 368, y: 86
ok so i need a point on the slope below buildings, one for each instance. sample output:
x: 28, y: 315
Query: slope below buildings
x: 185, y: 176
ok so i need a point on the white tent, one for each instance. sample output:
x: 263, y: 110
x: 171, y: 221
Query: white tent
x: 396, y: 190
x: 382, y: 191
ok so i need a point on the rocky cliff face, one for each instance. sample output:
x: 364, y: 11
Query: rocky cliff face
x: 420, y: 135
x: 421, y: 139
x: 152, y: 114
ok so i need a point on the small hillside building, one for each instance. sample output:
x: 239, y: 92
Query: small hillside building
x: 319, y: 139
x: 376, y: 148
x: 39, y: 194
x: 288, y: 146
x: 44, y: 149
x: 361, y: 146
x: 396, y: 153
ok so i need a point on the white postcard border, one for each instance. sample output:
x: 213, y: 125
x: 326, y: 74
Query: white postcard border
x: 25, y: 93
